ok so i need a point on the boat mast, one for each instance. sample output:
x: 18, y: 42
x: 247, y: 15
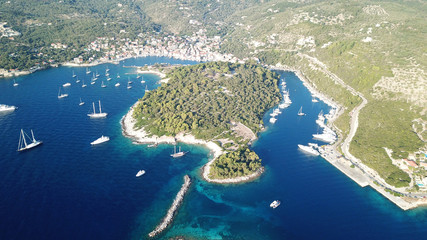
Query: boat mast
x: 93, y: 104
x: 100, y: 106
x: 34, y: 140
x: 23, y: 138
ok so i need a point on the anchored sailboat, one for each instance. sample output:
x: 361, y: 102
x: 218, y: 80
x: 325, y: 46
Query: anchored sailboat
x: 300, y: 113
x: 14, y: 83
x: 22, y: 145
x: 74, y: 75
x: 61, y: 95
x: 178, y: 154
x: 81, y: 103
x: 97, y: 115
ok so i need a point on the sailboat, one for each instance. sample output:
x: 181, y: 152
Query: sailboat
x: 78, y: 80
x: 14, y: 83
x: 22, y: 145
x: 118, y: 76
x: 106, y: 70
x: 178, y: 154
x: 84, y: 85
x: 88, y: 71
x: 129, y: 81
x: 97, y: 74
x: 300, y: 113
x: 97, y: 115
x: 74, y: 75
x: 117, y: 84
x: 129, y: 86
x: 137, y: 76
x: 146, y: 88
x: 61, y: 95
x: 94, y: 78
x: 81, y: 103
x: 103, y: 85
x: 142, y: 80
x: 108, y: 78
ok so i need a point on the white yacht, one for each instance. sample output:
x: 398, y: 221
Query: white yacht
x: 103, y: 85
x: 308, y: 149
x: 66, y: 84
x: 63, y: 95
x: 325, y: 137
x: 300, y: 113
x: 140, y: 173
x: 88, y: 71
x: 108, y: 78
x: 314, y: 100
x: 118, y: 76
x: 117, y: 84
x: 97, y: 74
x: 15, y: 83
x: 74, y: 75
x: 5, y: 108
x: 100, y: 140
x: 146, y: 88
x: 23, y: 145
x: 178, y: 154
x: 129, y: 86
x: 273, y: 120
x: 78, y: 80
x: 84, y: 85
x: 97, y: 115
x: 81, y: 102
x: 275, y: 204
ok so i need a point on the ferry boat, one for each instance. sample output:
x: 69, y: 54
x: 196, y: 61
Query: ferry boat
x: 66, y: 84
x: 5, y: 108
x: 100, y: 140
x: 63, y: 95
x: 22, y: 145
x: 97, y: 115
x: 140, y: 173
x: 308, y: 149
x: 178, y: 154
x: 275, y: 204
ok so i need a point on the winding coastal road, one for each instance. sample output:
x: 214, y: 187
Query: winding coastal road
x: 375, y: 181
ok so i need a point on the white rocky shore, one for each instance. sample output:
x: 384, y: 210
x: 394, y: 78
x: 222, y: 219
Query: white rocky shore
x: 142, y: 137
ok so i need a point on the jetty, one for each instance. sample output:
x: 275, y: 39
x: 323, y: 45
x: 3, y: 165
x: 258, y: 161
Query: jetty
x: 167, y: 220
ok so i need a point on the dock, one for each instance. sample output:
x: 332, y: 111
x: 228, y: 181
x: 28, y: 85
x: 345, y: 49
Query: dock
x: 168, y: 219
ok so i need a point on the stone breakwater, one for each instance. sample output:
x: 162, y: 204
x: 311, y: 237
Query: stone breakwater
x: 167, y: 220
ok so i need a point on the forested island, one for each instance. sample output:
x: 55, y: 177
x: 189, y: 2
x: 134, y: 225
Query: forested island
x: 207, y: 101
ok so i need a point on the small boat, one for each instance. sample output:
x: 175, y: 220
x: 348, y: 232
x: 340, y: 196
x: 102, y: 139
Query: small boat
x: 93, y: 82
x: 117, y: 84
x: 178, y: 154
x: 6, y: 108
x: 107, y: 74
x: 74, y: 75
x: 81, y: 102
x: 94, y: 78
x: 140, y: 173
x: 100, y: 140
x: 78, y: 80
x: 97, y: 74
x: 14, y: 83
x: 275, y: 204
x: 129, y: 86
x: 103, y: 85
x: 64, y: 95
x: 22, y: 145
x: 107, y: 70
x: 66, y: 84
x: 84, y: 85
x: 152, y: 145
x: 129, y: 81
x: 118, y: 76
x: 97, y: 115
x: 142, y: 80
x: 314, y: 100
x: 300, y: 113
x: 273, y: 120
x: 146, y: 88
x: 88, y: 71
x: 108, y: 78
x: 308, y: 149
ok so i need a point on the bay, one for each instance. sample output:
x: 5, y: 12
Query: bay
x: 68, y: 189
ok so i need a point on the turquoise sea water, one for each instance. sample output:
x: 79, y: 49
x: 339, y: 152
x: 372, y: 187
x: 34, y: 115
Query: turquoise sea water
x: 68, y: 189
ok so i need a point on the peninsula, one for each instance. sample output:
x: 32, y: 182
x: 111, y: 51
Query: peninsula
x: 217, y: 104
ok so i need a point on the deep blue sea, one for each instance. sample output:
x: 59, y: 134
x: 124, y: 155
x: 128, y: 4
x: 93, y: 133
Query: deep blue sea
x: 68, y: 189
